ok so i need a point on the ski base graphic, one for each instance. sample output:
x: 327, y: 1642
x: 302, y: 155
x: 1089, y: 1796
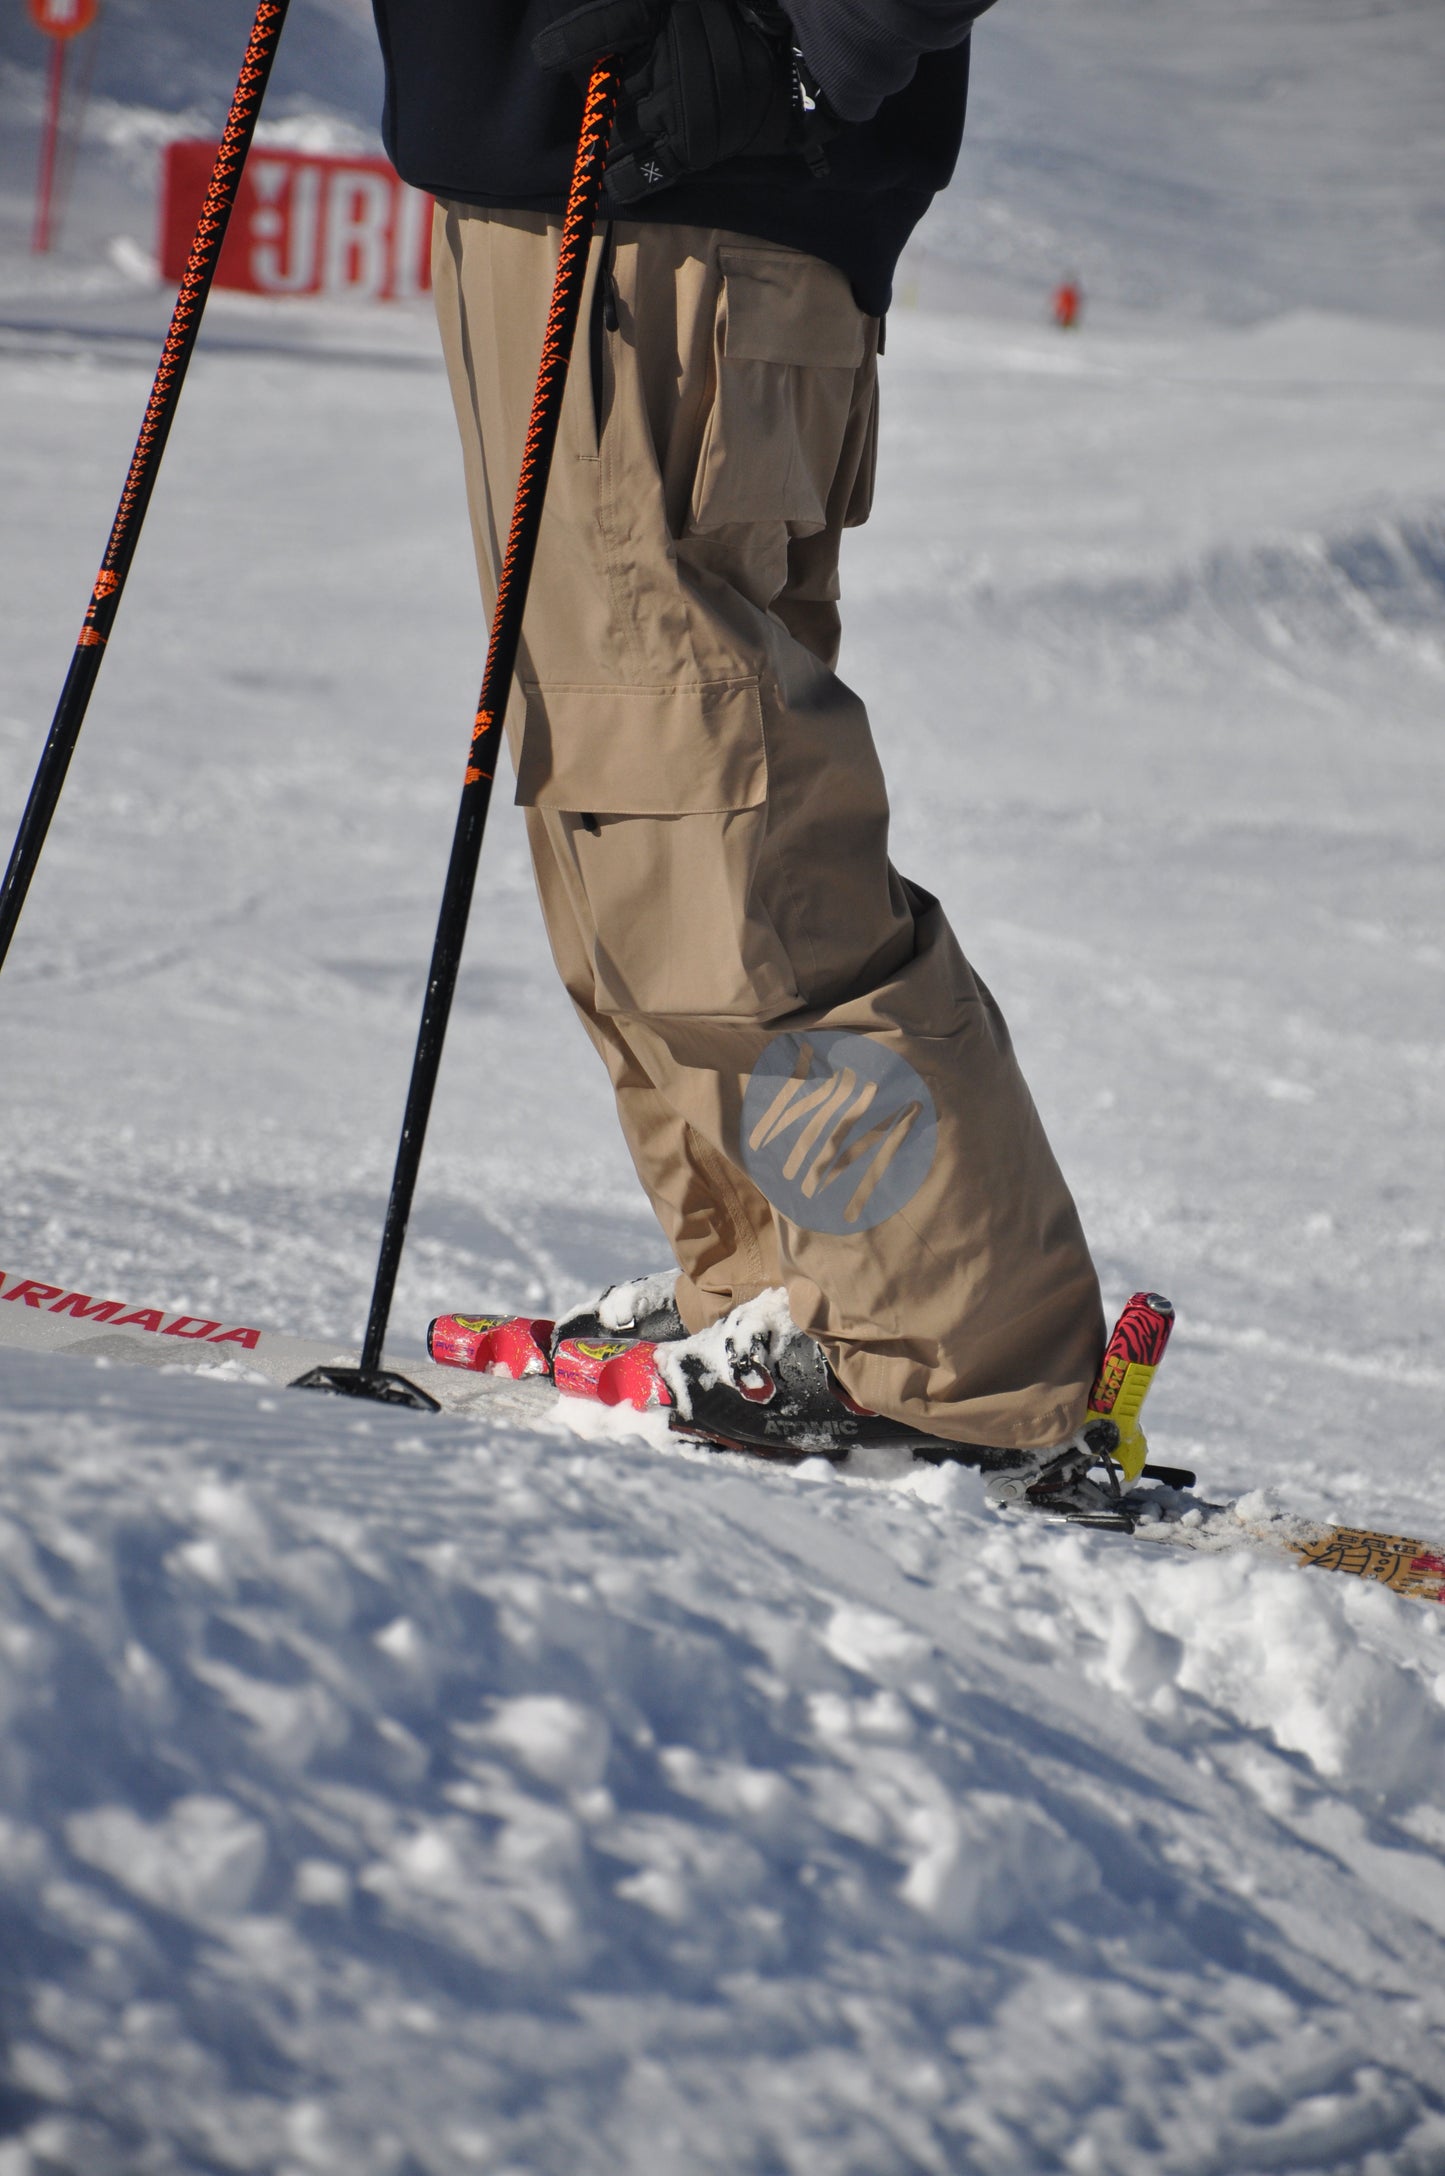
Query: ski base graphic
x: 1410, y: 1567
x: 1413, y: 1568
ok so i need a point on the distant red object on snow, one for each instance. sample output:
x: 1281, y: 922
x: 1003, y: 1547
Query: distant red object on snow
x: 62, y: 18
x: 304, y: 223
x: 1068, y: 304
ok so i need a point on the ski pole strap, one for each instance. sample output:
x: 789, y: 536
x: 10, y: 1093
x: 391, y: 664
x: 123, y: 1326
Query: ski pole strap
x: 577, y: 226
x: 145, y: 462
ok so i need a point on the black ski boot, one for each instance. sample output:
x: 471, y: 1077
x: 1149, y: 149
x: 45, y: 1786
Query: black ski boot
x: 754, y: 1382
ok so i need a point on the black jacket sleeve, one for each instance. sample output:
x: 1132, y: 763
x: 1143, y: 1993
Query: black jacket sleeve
x: 861, y: 51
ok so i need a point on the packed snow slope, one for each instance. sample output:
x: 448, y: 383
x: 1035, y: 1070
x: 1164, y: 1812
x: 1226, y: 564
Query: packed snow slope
x: 386, y: 1797
x: 382, y: 1796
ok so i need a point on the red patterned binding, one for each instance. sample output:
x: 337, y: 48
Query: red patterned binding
x: 1140, y: 1336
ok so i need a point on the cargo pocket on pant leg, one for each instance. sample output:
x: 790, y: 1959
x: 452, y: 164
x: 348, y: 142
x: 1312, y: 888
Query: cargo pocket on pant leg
x: 789, y: 341
x: 657, y: 800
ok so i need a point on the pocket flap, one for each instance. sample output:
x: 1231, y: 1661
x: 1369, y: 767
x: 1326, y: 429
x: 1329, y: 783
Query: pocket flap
x: 644, y: 751
x: 786, y: 308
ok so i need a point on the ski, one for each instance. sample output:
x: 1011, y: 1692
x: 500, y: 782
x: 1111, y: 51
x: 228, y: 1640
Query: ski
x: 37, y: 1315
x: 619, y: 1371
x: 502, y: 1371
x: 1407, y: 1566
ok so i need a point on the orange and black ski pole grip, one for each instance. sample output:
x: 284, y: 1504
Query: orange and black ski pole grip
x: 145, y: 462
x: 369, y: 1380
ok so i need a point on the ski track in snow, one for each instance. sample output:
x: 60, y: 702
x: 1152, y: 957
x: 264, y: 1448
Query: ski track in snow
x: 380, y: 1796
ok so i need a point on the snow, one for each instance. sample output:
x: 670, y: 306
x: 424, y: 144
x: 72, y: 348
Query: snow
x: 633, y: 1299
x: 381, y: 1794
x: 467, y: 1797
x: 756, y: 1332
x: 432, y: 1788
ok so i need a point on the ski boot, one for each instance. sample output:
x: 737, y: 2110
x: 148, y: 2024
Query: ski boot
x: 755, y: 1382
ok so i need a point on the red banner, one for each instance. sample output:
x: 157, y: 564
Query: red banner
x: 303, y: 225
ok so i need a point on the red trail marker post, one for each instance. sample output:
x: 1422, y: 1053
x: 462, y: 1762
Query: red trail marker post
x: 61, y: 20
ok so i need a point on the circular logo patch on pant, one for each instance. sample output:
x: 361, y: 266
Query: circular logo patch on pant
x: 838, y: 1131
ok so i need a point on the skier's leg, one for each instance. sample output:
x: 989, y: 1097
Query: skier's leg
x: 717, y: 1224
x: 714, y: 815
x: 719, y: 1227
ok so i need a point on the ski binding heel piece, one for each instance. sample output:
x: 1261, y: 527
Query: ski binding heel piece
x: 1086, y: 1482
x: 1130, y: 1360
x: 1080, y: 1484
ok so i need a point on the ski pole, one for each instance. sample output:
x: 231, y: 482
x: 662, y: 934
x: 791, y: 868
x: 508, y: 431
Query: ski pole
x: 145, y: 462
x: 370, y: 1380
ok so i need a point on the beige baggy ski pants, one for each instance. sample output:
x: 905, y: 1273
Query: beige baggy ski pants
x: 816, y: 1089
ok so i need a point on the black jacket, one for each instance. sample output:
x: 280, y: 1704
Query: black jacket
x: 469, y: 115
